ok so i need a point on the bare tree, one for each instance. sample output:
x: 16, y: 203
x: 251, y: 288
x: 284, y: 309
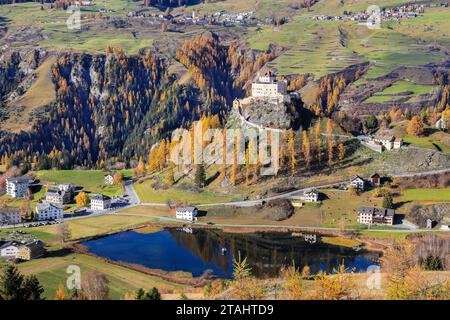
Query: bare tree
x: 94, y: 286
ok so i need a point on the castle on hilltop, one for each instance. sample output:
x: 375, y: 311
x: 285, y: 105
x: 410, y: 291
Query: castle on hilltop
x: 267, y: 86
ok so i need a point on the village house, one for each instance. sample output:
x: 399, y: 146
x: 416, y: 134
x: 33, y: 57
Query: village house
x: 32, y: 250
x: 10, y: 216
x: 109, y: 179
x: 371, y: 215
x: 9, y: 249
x: 358, y: 183
x: 375, y: 180
x: 18, y: 187
x: 58, y: 197
x: 48, y: 211
x: 66, y: 187
x: 187, y: 213
x: 307, y: 196
x: 100, y: 202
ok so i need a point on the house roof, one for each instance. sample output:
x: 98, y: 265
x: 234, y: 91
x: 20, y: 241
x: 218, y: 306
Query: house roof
x: 376, y: 211
x: 188, y: 209
x: 55, y: 191
x: 22, y: 179
x: 9, y: 210
x: 44, y: 205
x: 9, y: 243
x: 375, y: 175
x: 36, y: 244
x: 101, y: 197
x: 357, y: 178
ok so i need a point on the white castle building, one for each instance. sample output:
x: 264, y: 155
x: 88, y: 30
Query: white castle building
x: 267, y: 86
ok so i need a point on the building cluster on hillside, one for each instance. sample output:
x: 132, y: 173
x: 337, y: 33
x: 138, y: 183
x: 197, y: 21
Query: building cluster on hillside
x: 51, y: 206
x: 223, y: 18
x: 22, y: 250
x: 390, y: 13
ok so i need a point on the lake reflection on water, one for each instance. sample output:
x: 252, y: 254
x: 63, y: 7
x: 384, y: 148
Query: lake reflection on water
x: 176, y: 250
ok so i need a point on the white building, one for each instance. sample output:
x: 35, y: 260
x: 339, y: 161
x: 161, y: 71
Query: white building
x: 18, y: 187
x: 66, y: 187
x: 100, y: 202
x: 9, y: 249
x: 59, y: 197
x: 267, y: 86
x: 10, y: 216
x: 388, y: 142
x: 109, y: 179
x: 358, y: 183
x: 308, y: 196
x: 48, y: 211
x: 187, y: 213
x: 370, y: 216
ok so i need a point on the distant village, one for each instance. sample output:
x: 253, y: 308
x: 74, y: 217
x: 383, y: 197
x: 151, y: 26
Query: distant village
x: 391, y: 13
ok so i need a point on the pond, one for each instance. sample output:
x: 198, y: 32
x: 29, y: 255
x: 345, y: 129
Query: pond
x: 200, y: 251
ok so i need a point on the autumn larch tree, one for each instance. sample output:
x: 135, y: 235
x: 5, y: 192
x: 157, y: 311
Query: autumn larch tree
x: 81, y: 199
x: 292, y: 153
x: 415, y: 126
x: 306, y: 149
x: 341, y: 150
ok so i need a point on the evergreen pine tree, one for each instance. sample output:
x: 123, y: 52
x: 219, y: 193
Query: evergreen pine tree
x: 200, y: 175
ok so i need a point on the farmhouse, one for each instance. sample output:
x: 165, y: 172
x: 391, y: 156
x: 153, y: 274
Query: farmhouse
x: 10, y: 216
x: 358, y: 183
x: 187, y: 213
x: 31, y: 250
x: 389, y: 142
x: 18, y: 187
x: 48, y: 211
x: 59, y: 197
x: 370, y: 215
x: 9, y: 249
x: 308, y: 196
x: 375, y: 180
x: 100, y: 202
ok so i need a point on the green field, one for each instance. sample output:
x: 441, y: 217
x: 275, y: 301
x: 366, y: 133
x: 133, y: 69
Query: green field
x: 148, y: 194
x: 428, y: 143
x: 439, y: 195
x: 89, y: 180
x: 93, y: 226
x: 401, y: 90
x: 51, y: 272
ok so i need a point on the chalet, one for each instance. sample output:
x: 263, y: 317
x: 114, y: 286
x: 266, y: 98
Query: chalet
x: 9, y: 249
x: 48, y: 211
x: 109, y: 179
x: 31, y: 250
x: 187, y: 213
x: 375, y: 180
x: 358, y: 183
x: 18, y: 187
x: 100, y: 202
x: 10, y: 215
x: 371, y: 215
x: 58, y: 197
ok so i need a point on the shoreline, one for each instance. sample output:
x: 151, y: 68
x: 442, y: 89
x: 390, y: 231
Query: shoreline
x: 186, y: 278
